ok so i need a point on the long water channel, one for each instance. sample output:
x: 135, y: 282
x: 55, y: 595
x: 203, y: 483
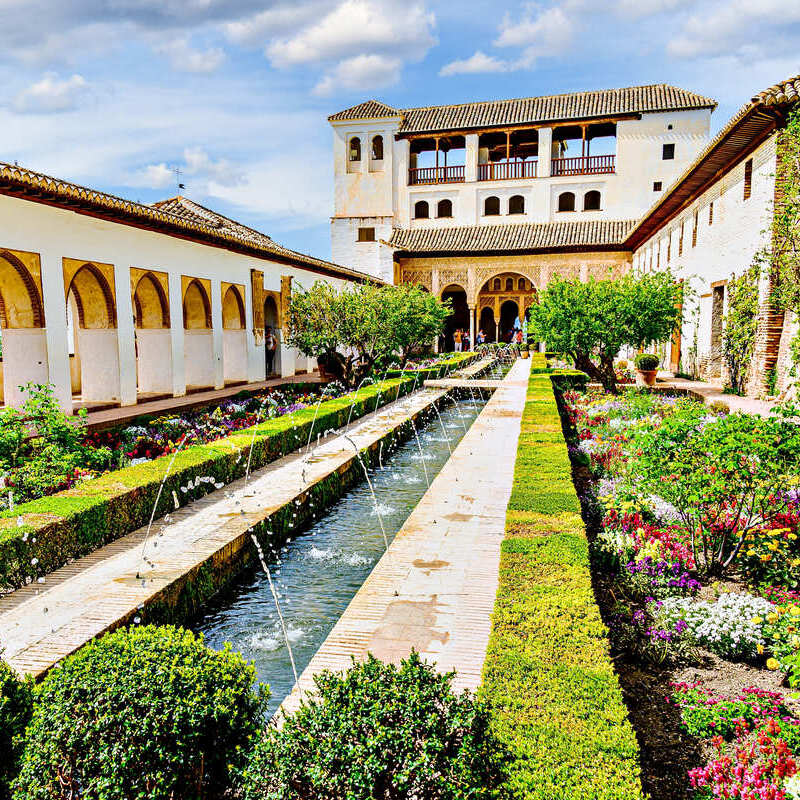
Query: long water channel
x: 318, y: 572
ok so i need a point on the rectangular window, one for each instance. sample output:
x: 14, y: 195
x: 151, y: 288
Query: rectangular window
x: 748, y: 178
x: 694, y: 230
x: 711, y: 213
x: 668, y: 152
x: 657, y: 186
x: 669, y: 246
x: 680, y: 241
x: 366, y: 234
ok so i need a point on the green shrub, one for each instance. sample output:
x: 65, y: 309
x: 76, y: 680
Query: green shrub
x: 379, y: 731
x: 16, y: 704
x: 144, y: 713
x: 646, y: 362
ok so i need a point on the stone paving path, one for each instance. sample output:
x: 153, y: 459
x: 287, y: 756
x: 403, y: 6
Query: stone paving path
x: 42, y: 623
x: 434, y: 590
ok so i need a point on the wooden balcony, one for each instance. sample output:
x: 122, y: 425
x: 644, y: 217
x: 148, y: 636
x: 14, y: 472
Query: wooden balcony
x: 583, y: 165
x: 424, y: 175
x: 507, y: 170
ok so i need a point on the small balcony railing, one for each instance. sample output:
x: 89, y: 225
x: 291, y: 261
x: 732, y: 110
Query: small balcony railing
x: 583, y: 165
x: 423, y: 175
x: 507, y: 170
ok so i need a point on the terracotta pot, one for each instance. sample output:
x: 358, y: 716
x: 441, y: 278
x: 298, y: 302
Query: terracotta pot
x: 524, y: 353
x: 646, y: 377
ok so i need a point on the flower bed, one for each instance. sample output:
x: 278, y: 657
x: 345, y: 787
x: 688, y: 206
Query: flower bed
x: 558, y: 705
x: 697, y: 559
x: 39, y: 536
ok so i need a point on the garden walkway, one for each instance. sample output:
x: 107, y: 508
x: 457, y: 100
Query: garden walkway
x: 42, y: 623
x: 434, y: 590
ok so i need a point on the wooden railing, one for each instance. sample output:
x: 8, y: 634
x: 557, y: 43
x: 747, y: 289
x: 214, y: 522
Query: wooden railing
x: 583, y: 165
x: 421, y: 175
x: 507, y: 170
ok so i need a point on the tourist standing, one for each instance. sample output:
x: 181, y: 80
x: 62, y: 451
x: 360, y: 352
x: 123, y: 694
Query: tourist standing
x: 270, y: 346
x: 457, y: 337
x: 481, y: 337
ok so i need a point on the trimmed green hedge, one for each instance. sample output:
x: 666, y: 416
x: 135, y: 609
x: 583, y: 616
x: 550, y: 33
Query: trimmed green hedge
x: 548, y: 672
x: 77, y: 521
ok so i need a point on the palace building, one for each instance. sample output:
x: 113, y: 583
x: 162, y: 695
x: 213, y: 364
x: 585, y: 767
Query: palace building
x: 113, y: 302
x: 484, y: 202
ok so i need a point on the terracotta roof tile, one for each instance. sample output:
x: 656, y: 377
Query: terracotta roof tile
x: 785, y: 93
x: 177, y: 215
x: 371, y: 109
x: 534, y: 110
x: 510, y: 238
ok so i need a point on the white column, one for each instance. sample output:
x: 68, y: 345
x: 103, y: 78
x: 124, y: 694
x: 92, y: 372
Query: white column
x: 401, y: 200
x: 472, y: 326
x: 55, y: 318
x: 125, y: 336
x: 177, y: 335
x: 543, y: 168
x: 216, y: 335
x: 471, y: 162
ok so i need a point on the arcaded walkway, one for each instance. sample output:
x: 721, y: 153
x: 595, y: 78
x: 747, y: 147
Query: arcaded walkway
x: 434, y: 590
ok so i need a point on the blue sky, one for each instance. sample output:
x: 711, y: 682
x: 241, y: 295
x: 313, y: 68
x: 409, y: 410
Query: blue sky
x: 116, y: 94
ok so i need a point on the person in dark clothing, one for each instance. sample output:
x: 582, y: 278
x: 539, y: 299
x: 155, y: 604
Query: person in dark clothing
x: 270, y: 346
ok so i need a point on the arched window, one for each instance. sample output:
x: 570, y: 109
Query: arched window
x: 491, y: 206
x: 421, y: 210
x: 516, y: 204
x: 444, y: 208
x: 591, y: 201
x: 377, y: 148
x: 355, y: 149
x: 497, y: 284
x: 566, y: 201
x: 521, y: 284
x: 509, y: 284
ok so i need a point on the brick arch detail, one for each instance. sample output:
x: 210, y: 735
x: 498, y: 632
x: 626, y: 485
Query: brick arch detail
x: 30, y: 285
x: 205, y: 298
x: 162, y: 297
x: 108, y: 295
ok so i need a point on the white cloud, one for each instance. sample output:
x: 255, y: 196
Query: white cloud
x: 542, y: 33
x: 52, y: 94
x: 256, y: 30
x: 635, y: 9
x: 221, y: 172
x: 185, y: 58
x: 477, y: 63
x: 357, y: 27
x: 362, y: 72
x: 155, y: 176
x: 743, y: 27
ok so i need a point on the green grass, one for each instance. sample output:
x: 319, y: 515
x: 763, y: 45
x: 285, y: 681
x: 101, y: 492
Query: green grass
x: 548, y: 672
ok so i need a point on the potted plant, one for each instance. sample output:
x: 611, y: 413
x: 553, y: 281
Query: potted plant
x: 646, y: 369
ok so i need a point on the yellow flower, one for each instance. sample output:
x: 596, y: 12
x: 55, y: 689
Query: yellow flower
x: 772, y: 617
x: 766, y: 557
x: 773, y: 663
x: 794, y: 611
x: 772, y: 546
x: 751, y: 552
x: 760, y: 649
x: 756, y: 620
x: 792, y: 536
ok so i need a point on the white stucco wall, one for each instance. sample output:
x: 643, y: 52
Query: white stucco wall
x: 155, y: 360
x: 110, y: 372
x: 740, y: 228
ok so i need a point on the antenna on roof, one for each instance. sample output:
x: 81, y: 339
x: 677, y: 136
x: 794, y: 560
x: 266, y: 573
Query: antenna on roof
x: 178, y: 172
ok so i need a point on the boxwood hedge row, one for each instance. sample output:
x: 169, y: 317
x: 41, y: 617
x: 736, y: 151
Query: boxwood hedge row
x: 42, y: 535
x: 548, y: 672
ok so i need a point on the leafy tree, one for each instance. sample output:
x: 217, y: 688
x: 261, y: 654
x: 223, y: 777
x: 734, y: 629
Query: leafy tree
x: 145, y: 713
x: 415, y: 317
x: 593, y: 321
x: 351, y: 330
x: 784, y: 251
x: 379, y: 731
x: 741, y: 321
